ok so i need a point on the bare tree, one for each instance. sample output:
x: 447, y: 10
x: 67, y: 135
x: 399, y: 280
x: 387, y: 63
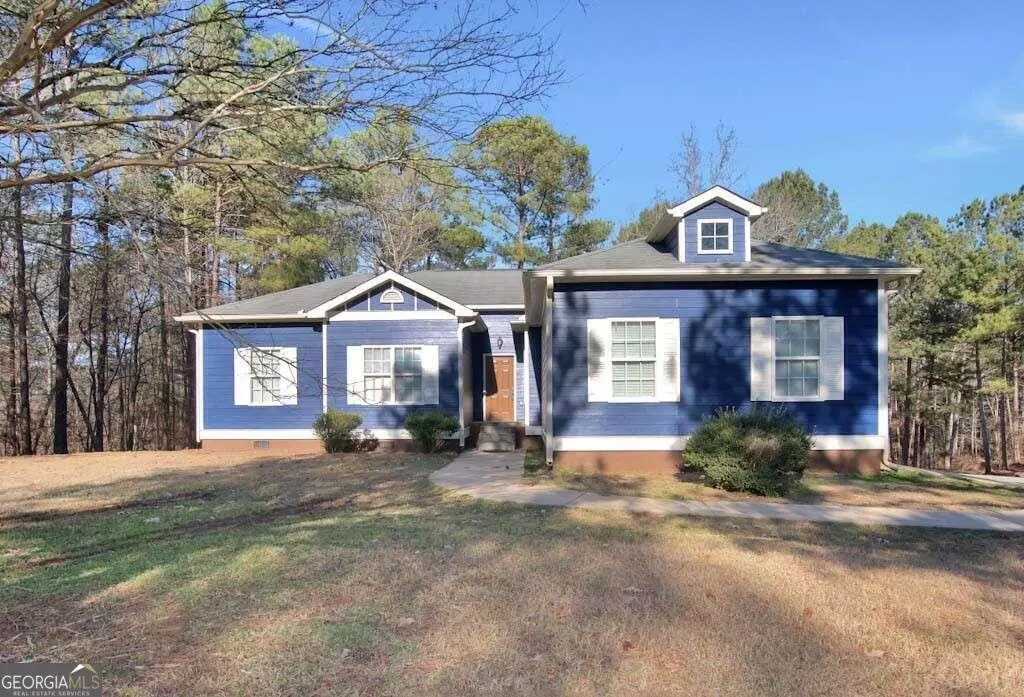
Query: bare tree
x: 167, y: 84
x: 699, y: 168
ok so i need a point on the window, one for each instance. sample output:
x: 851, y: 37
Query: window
x: 634, y: 356
x: 714, y: 236
x: 393, y: 374
x: 797, y: 358
x: 265, y: 376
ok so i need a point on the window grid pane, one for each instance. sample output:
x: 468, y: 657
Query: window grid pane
x: 264, y: 376
x: 393, y: 375
x: 634, y: 350
x: 714, y: 237
x: 797, y: 358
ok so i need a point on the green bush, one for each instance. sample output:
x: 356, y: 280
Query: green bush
x: 429, y: 429
x: 334, y: 428
x: 764, y: 451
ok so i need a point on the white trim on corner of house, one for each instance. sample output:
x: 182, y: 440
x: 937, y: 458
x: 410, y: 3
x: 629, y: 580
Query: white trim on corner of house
x: 198, y: 332
x: 883, y: 363
x: 681, y: 235
x: 732, y: 236
x: 746, y: 242
x: 663, y: 443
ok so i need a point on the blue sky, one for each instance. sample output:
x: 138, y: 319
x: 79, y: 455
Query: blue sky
x: 897, y: 105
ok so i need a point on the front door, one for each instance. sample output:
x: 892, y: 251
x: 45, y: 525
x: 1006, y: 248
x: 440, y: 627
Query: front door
x: 499, y: 388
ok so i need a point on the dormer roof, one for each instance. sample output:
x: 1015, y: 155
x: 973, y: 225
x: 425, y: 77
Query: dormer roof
x: 673, y: 215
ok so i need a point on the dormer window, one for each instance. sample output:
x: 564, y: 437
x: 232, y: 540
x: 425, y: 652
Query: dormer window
x: 714, y: 236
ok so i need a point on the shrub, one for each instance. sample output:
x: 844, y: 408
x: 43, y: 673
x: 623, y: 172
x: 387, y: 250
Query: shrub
x: 334, y: 428
x: 764, y: 451
x: 429, y: 429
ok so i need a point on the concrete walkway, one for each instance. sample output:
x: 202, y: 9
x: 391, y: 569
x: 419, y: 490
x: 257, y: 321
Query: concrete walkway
x: 499, y: 477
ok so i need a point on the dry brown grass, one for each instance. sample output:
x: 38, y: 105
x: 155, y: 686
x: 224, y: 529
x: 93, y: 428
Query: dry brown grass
x: 906, y: 489
x: 353, y: 575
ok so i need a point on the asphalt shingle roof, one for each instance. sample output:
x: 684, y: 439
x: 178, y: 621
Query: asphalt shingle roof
x: 468, y: 287
x: 475, y: 287
x: 640, y: 254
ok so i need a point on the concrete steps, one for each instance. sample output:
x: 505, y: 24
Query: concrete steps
x: 496, y: 437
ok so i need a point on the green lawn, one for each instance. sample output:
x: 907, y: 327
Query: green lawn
x: 189, y: 573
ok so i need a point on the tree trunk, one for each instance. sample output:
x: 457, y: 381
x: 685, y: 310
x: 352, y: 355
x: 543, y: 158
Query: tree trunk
x: 100, y: 391
x: 906, y: 430
x: 166, y: 412
x: 986, y: 446
x: 952, y: 430
x: 1003, y: 440
x: 21, y: 315
x: 12, y: 384
x: 60, y: 349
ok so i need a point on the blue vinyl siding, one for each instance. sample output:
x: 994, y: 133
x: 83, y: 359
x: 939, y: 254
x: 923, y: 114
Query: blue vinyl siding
x: 715, y: 211
x: 499, y: 331
x: 439, y: 332
x: 714, y: 352
x: 534, y: 375
x: 219, y: 409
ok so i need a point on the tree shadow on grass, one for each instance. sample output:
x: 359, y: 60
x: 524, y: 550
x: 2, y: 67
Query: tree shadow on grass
x: 291, y: 574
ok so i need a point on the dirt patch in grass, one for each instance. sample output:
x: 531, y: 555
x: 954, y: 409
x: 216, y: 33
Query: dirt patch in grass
x: 401, y: 588
x: 909, y: 489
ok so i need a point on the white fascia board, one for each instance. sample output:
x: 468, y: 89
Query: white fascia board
x: 487, y: 308
x: 670, y: 443
x: 783, y: 273
x: 722, y: 195
x: 322, y: 309
x: 229, y: 319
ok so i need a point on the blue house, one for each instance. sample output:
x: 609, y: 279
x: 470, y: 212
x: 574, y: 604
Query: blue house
x: 606, y: 360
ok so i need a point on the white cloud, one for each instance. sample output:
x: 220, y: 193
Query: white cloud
x: 963, y: 146
x: 1013, y: 120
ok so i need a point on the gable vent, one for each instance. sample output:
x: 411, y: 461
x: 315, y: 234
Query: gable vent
x: 392, y: 296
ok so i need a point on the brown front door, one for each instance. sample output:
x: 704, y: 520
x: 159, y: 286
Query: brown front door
x: 499, y: 389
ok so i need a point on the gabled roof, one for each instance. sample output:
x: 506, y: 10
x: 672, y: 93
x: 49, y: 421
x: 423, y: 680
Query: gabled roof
x: 641, y: 258
x: 474, y: 289
x: 720, y: 194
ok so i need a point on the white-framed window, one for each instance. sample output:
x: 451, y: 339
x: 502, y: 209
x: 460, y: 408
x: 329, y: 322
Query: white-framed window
x: 634, y: 359
x: 393, y: 374
x: 797, y: 355
x: 714, y: 236
x: 266, y: 376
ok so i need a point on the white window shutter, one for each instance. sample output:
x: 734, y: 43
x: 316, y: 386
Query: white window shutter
x: 599, y: 360
x: 429, y: 360
x: 832, y: 364
x: 668, y: 376
x: 761, y: 352
x: 355, y: 389
x: 243, y: 377
x: 288, y: 366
